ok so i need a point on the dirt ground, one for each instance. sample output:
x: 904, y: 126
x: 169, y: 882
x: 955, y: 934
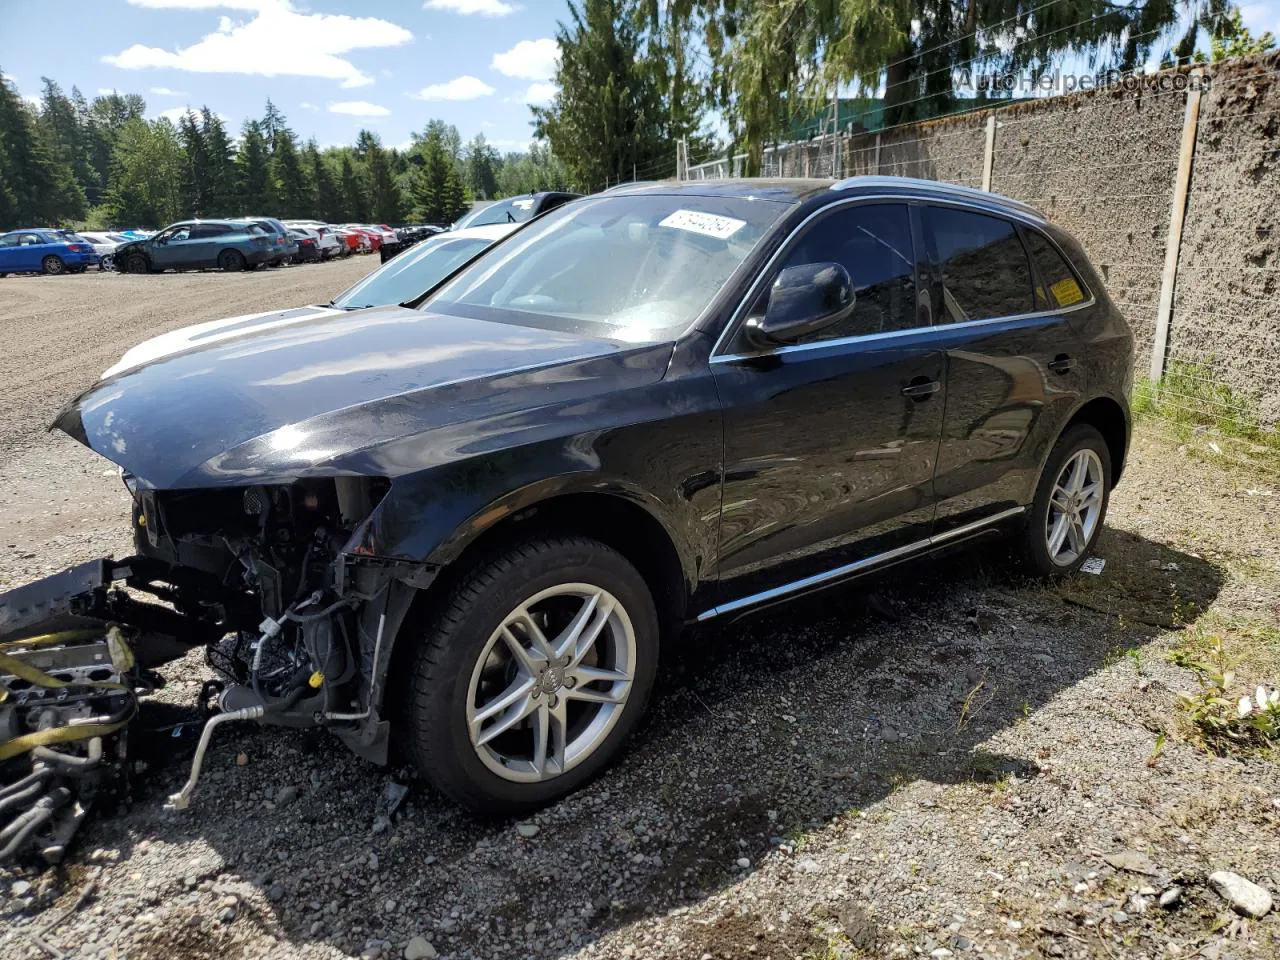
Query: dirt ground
x: 951, y: 760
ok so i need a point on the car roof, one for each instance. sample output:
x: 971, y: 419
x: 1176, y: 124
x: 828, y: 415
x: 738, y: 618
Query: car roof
x: 795, y: 189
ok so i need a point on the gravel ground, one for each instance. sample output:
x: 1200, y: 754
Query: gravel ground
x: 950, y: 761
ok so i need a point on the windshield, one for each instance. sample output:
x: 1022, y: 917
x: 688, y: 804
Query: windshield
x: 411, y: 274
x: 625, y: 267
x: 514, y: 210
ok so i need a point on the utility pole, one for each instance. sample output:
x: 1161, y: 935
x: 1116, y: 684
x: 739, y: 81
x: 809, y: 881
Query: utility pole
x: 835, y: 130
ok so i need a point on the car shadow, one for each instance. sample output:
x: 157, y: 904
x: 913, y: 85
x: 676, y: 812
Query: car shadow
x: 761, y: 730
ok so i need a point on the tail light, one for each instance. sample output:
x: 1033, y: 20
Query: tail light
x: 260, y: 240
x: 80, y: 247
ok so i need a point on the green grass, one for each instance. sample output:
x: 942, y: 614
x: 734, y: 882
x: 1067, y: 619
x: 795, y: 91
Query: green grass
x: 1199, y: 406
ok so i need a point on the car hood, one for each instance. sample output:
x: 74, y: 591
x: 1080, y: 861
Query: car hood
x: 329, y: 393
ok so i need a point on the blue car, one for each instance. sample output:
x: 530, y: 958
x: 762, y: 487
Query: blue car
x: 42, y: 250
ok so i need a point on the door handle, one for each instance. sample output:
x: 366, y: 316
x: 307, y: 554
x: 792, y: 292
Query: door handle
x: 1061, y: 363
x: 921, y: 388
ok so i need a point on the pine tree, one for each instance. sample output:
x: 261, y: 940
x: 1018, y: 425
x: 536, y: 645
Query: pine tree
x: 295, y: 194
x: 195, y: 186
x: 608, y: 118
x: 481, y: 164
x: 328, y: 204
x: 430, y: 189
x: 455, y: 195
x: 61, y: 134
x: 222, y: 168
x: 386, y: 205
x: 253, y: 171
x: 355, y: 201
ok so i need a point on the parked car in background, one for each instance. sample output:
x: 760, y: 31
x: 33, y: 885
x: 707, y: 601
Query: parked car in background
x: 195, y: 244
x: 104, y: 245
x: 406, y: 237
x: 410, y: 275
x: 407, y: 279
x: 308, y: 243
x: 515, y: 209
x: 44, y: 250
x: 370, y: 239
x: 285, y: 247
x: 326, y: 239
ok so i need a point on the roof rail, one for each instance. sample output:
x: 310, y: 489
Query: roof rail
x: 933, y: 186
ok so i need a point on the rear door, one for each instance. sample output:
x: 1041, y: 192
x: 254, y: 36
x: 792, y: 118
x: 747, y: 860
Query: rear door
x: 1012, y: 370
x: 829, y: 444
x: 10, y: 255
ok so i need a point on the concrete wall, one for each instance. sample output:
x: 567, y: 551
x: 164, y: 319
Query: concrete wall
x: 1102, y: 164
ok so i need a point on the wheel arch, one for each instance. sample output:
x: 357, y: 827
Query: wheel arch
x: 1111, y: 419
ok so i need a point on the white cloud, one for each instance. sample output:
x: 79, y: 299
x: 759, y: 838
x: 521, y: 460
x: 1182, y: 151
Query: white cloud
x: 485, y: 8
x: 199, y: 4
x: 359, y: 108
x: 174, y: 114
x: 529, y: 60
x: 166, y: 92
x: 460, y: 88
x: 308, y: 106
x: 32, y: 99
x: 277, y: 41
x: 106, y: 91
x: 539, y: 94
x: 520, y: 146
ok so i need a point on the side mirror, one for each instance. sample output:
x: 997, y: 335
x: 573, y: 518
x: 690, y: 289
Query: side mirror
x: 804, y: 299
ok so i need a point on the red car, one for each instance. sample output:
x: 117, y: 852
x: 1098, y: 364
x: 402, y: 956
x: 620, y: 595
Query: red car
x: 369, y: 238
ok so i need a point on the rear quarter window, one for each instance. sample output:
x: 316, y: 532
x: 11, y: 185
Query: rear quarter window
x: 985, y: 271
x: 1057, y: 286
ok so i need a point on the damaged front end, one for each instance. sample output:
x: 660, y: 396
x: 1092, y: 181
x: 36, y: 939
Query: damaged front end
x: 267, y: 578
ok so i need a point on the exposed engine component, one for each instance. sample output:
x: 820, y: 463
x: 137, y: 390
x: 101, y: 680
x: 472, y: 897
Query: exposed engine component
x: 66, y: 700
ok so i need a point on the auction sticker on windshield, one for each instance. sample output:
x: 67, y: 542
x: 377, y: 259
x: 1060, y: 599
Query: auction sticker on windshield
x: 707, y: 224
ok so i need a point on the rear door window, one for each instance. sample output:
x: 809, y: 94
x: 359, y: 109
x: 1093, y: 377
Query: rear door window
x: 1057, y: 285
x: 985, y: 271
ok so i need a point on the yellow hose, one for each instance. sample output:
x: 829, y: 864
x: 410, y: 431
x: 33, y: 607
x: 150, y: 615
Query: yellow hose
x: 121, y: 659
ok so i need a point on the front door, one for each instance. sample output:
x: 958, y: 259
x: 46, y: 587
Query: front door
x: 830, y: 443
x: 1014, y: 370
x: 168, y: 249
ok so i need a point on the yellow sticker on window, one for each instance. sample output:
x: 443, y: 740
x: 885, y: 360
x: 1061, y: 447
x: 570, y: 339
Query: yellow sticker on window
x: 1066, y: 292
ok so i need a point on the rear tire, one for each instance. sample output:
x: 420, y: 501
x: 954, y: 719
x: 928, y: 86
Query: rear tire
x: 52, y: 265
x: 231, y: 261
x: 1070, y: 505
x: 136, y: 263
x: 580, y: 704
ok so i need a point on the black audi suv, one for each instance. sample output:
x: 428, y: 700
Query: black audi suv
x: 467, y: 526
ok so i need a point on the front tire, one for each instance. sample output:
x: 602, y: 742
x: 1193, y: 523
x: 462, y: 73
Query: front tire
x: 52, y: 265
x: 231, y: 261
x: 1070, y: 503
x: 136, y: 263
x: 530, y: 674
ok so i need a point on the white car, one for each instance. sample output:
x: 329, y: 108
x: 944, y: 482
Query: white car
x: 407, y: 278
x: 328, y: 238
x: 104, y: 245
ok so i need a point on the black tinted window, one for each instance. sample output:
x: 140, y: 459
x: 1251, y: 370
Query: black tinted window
x: 872, y: 242
x: 1058, y: 286
x: 985, y: 272
x: 204, y: 230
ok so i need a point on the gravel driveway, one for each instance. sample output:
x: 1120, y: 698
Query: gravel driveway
x: 949, y: 760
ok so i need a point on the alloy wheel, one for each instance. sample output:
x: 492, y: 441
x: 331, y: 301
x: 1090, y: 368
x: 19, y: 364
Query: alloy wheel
x: 1075, y: 506
x: 551, y: 682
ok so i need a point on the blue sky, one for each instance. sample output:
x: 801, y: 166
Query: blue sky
x: 331, y: 67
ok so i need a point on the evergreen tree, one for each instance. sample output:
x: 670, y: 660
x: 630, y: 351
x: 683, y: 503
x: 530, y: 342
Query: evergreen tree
x: 355, y: 201
x: 61, y: 134
x: 386, y: 205
x: 295, y: 194
x: 28, y: 172
x: 253, y: 171
x: 608, y: 118
x: 222, y: 167
x: 455, y: 195
x: 430, y: 189
x: 195, y: 184
x: 481, y: 164
x: 328, y: 204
